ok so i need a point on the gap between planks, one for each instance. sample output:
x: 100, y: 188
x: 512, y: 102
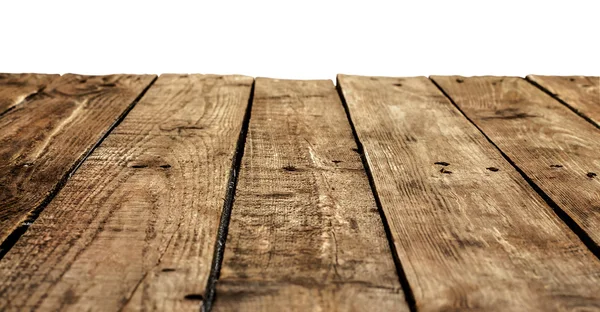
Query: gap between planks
x: 282, y: 252
x: 232, y: 183
x: 585, y: 238
x: 220, y: 243
x: 211, y: 105
x: 563, y: 102
x: 408, y: 293
x: 426, y: 285
x: 16, y: 234
x: 221, y: 239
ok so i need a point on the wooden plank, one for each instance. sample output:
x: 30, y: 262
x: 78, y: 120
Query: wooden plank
x: 43, y: 140
x: 305, y: 233
x: 553, y: 146
x: 581, y: 93
x: 135, y: 227
x: 469, y: 231
x: 15, y: 88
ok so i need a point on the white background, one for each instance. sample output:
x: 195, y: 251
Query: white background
x: 301, y: 39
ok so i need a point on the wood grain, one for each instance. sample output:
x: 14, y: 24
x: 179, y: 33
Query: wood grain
x: 469, y: 231
x: 555, y: 148
x: 15, y: 88
x: 579, y: 92
x: 44, y: 139
x: 134, y: 229
x: 305, y: 233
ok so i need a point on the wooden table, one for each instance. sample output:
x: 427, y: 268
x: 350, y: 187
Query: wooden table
x: 228, y: 193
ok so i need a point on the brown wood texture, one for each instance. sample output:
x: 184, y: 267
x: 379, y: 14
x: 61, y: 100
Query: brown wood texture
x: 305, y: 233
x: 135, y: 227
x: 16, y: 88
x: 42, y: 140
x: 579, y: 92
x: 469, y: 231
x: 555, y: 148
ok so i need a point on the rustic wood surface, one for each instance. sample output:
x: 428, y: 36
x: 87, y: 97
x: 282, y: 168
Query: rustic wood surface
x: 16, y: 88
x: 121, y: 193
x: 580, y: 93
x: 134, y: 228
x: 44, y: 139
x: 305, y: 233
x: 558, y: 150
x: 469, y: 231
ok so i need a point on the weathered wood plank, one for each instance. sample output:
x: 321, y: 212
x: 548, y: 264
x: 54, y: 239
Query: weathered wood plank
x: 469, y: 231
x: 15, y: 88
x: 305, y: 233
x: 580, y: 93
x: 44, y: 139
x: 135, y: 227
x: 555, y: 148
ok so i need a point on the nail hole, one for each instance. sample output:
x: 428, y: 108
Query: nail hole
x: 459, y: 80
x: 571, y: 79
x: 168, y: 270
x: 289, y: 168
x: 442, y: 163
x: 165, y: 166
x: 443, y: 170
x: 110, y: 84
x: 194, y: 297
x: 494, y: 169
x: 139, y: 166
x: 591, y: 175
x: 336, y: 161
x: 556, y: 166
x: 398, y: 84
x: 355, y: 149
x: 83, y: 81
